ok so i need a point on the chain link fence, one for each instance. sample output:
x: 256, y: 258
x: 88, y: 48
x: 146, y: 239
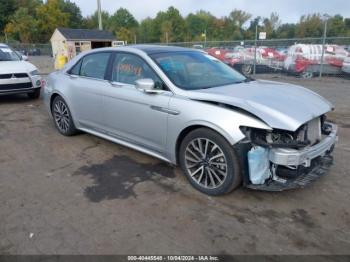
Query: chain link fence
x: 32, y: 49
x: 299, y: 57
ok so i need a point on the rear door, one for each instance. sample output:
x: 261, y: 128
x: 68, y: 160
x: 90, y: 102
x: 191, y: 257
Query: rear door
x: 87, y: 84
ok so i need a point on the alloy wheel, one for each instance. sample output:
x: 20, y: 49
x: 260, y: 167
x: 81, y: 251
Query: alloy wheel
x: 61, y: 115
x: 206, y: 163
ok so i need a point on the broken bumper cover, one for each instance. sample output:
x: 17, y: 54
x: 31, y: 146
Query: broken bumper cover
x: 315, y: 162
x: 320, y: 169
x: 293, y: 157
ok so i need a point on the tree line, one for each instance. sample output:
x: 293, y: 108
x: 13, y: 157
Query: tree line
x: 34, y: 21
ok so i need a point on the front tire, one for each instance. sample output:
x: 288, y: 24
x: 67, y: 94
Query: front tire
x: 209, y: 162
x: 62, y: 117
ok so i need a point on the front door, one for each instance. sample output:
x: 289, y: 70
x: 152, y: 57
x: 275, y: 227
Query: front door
x: 131, y: 114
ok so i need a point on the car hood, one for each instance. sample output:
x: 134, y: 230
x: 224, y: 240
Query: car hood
x: 11, y: 67
x: 280, y: 105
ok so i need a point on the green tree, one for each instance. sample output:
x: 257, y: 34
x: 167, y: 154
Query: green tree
x: 234, y: 24
x: 22, y: 26
x: 286, y: 31
x: 271, y: 25
x: 123, y: 24
x: 31, y: 5
x: 199, y: 23
x: 336, y: 26
x: 7, y: 9
x: 75, y: 17
x: 122, y: 18
x: 147, y: 31
x: 170, y: 22
x: 91, y: 22
x: 51, y: 17
x: 310, y: 26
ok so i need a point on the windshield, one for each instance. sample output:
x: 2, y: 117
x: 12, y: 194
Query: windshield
x: 195, y: 70
x: 7, y: 54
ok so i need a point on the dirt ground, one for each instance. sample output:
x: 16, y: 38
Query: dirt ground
x: 85, y: 195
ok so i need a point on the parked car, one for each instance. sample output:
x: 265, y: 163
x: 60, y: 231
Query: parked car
x: 34, y: 52
x: 346, y: 66
x: 197, y: 46
x: 187, y: 108
x: 305, y: 59
x: 267, y: 60
x: 16, y: 75
x: 22, y: 55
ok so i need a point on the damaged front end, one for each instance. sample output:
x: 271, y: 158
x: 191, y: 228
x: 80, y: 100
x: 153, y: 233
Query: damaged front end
x: 278, y: 159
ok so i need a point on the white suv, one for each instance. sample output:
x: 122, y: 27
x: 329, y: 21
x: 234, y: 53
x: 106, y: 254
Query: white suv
x: 16, y: 75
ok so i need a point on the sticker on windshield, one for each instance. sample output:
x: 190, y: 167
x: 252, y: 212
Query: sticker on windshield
x: 6, y: 50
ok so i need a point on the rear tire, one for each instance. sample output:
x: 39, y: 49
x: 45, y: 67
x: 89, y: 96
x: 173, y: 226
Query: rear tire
x: 35, y: 94
x: 209, y: 162
x: 62, y: 117
x: 306, y: 75
x: 247, y: 69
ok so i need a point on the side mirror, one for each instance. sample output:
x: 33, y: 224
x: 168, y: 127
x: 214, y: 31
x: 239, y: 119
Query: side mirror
x: 147, y: 85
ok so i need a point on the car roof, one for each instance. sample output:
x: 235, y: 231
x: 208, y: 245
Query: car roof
x: 3, y: 45
x: 155, y: 49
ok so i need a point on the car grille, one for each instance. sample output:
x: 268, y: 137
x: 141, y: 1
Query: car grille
x: 17, y: 75
x: 7, y: 87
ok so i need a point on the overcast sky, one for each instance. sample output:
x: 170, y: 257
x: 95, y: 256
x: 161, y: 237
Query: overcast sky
x: 289, y: 10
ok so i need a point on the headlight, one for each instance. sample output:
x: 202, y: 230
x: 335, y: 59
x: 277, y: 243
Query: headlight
x: 34, y: 73
x: 276, y: 138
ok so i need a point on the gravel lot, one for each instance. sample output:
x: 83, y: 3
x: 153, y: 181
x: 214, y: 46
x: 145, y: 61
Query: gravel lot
x: 85, y: 195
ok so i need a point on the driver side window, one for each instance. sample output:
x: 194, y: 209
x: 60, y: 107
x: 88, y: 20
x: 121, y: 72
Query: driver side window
x: 128, y: 68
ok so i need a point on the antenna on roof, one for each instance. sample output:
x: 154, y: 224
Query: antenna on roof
x: 100, y: 27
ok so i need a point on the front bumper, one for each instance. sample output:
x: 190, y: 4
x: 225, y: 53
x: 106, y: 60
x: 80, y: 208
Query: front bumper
x: 20, y: 85
x: 310, y: 163
x: 293, y: 157
x: 320, y: 168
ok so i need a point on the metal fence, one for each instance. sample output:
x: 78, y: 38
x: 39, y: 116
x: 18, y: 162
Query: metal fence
x: 300, y: 57
x: 32, y: 49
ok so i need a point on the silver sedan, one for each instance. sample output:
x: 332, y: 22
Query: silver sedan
x: 188, y: 108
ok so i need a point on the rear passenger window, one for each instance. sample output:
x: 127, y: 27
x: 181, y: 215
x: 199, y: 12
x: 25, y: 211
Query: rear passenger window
x: 95, y: 65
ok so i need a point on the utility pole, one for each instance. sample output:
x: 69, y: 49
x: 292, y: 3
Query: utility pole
x: 323, y: 44
x: 100, y: 27
x: 205, y: 37
x: 166, y: 38
x: 256, y: 38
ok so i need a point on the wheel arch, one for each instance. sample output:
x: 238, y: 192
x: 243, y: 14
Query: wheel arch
x: 52, y: 98
x: 185, y: 131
